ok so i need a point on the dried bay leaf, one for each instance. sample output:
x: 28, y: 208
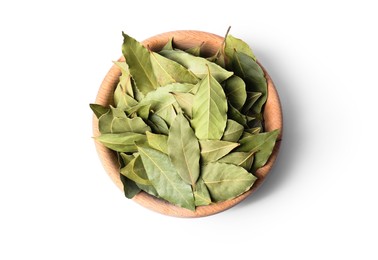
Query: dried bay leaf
x: 252, y: 97
x: 185, y: 101
x: 226, y: 181
x: 122, y: 142
x: 158, y: 142
x: 234, y: 44
x: 198, y: 65
x: 236, y: 115
x: 134, y: 173
x: 242, y: 159
x: 213, y: 150
x: 138, y: 59
x: 130, y: 188
x: 125, y: 82
x: 261, y: 144
x: 233, y: 131
x: 168, y: 71
x: 157, y: 124
x: 116, y: 121
x: 201, y: 194
x: 98, y: 110
x: 165, y: 178
x: 209, y: 109
x: 126, y: 158
x: 235, y: 91
x: 246, y: 67
x: 195, y: 50
x: 184, y: 150
x: 168, y: 45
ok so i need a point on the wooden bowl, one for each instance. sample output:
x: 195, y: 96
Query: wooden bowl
x: 183, y: 40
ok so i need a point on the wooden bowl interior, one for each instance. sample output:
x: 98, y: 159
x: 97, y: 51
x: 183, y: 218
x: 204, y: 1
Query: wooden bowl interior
x: 210, y: 44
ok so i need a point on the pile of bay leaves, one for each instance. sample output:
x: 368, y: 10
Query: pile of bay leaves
x: 188, y: 129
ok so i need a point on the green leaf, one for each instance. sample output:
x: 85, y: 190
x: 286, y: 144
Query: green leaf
x: 125, y: 82
x: 130, y: 189
x: 116, y: 121
x: 233, y: 131
x: 253, y: 131
x: 123, y: 142
x: 138, y: 59
x: 122, y: 100
x: 236, y: 115
x: 157, y: 124
x: 183, y: 150
x: 209, y: 109
x: 98, y: 110
x: 261, y: 144
x: 201, y: 194
x: 126, y: 158
x: 226, y: 181
x: 134, y: 171
x: 165, y: 178
x: 213, y: 150
x: 195, y: 50
x: 232, y: 43
x: 235, y: 91
x: 144, y: 111
x: 252, y: 97
x: 168, y: 71
x: 198, y: 65
x: 242, y: 159
x: 245, y: 67
x: 158, y: 142
x: 169, y: 45
x: 185, y: 101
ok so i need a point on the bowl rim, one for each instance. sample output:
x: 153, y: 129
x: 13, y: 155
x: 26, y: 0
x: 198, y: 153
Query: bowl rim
x: 210, y: 43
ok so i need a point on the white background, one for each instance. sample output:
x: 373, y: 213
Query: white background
x: 320, y: 201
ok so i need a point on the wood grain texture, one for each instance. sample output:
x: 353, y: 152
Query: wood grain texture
x: 183, y: 40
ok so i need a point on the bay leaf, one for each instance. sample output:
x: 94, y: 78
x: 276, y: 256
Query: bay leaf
x: 242, y: 159
x: 165, y: 179
x: 235, y: 91
x: 157, y: 124
x: 158, y: 142
x: 198, y: 65
x: 253, y: 130
x: 126, y: 159
x: 122, y: 100
x: 125, y: 85
x: 213, y: 150
x: 209, y: 109
x: 169, y: 44
x: 168, y: 112
x: 185, y: 101
x: 233, y: 131
x: 236, y: 115
x: 144, y: 111
x: 133, y: 173
x: 201, y: 194
x: 122, y: 142
x: 252, y: 97
x: 246, y: 67
x: 226, y: 181
x: 168, y: 71
x: 195, y: 50
x: 130, y: 189
x: 261, y: 144
x: 235, y: 44
x: 98, y: 110
x: 116, y: 121
x: 184, y: 150
x: 138, y: 59
x: 161, y: 97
